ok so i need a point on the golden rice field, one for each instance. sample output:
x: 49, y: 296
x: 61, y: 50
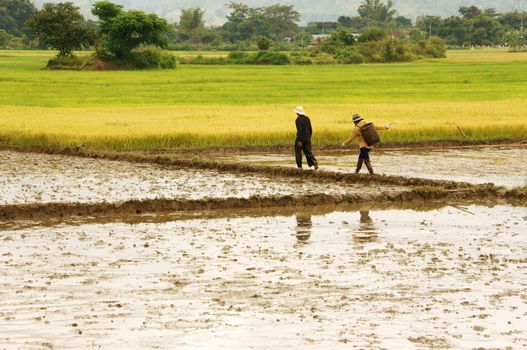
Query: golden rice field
x: 484, y: 93
x: 216, y: 125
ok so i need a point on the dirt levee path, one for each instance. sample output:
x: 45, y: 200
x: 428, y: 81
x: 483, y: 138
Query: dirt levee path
x: 43, y: 186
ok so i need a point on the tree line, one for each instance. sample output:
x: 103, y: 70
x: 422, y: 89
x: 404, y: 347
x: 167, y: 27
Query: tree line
x: 245, y: 28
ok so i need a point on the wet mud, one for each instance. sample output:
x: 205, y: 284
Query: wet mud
x: 448, y: 278
x: 29, y: 178
x: 223, y: 165
x: 500, y: 165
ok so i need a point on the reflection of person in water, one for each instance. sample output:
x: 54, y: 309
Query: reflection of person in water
x: 303, y: 228
x: 365, y: 217
x: 367, y: 231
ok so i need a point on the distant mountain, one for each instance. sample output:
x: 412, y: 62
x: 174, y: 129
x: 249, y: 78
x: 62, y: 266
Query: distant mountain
x: 311, y: 10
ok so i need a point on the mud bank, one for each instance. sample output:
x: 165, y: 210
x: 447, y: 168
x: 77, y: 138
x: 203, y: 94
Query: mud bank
x: 229, y: 213
x: 14, y: 215
x: 391, y: 279
x: 48, y: 211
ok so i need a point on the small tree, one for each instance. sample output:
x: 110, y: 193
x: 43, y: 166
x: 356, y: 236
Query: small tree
x: 403, y: 22
x: 469, y: 12
x: 378, y: 11
x: 123, y: 31
x: 62, y: 27
x: 282, y: 20
x: 303, y: 40
x: 191, y: 25
x: 263, y: 44
x: 345, y: 21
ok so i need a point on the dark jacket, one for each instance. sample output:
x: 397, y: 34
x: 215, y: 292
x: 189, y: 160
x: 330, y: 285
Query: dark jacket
x: 303, y: 129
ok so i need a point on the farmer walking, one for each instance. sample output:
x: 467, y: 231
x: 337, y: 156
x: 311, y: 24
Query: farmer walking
x: 364, y: 155
x: 304, y: 131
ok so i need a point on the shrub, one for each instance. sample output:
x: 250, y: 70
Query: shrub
x: 398, y: 51
x: 301, y: 58
x: 204, y: 60
x: 281, y: 46
x: 264, y: 44
x: 372, y: 34
x: 152, y: 58
x: 325, y: 58
x: 432, y: 47
x: 145, y: 58
x: 66, y: 63
x: 239, y: 46
x: 167, y: 61
x: 238, y: 57
x: 371, y: 51
x: 337, y: 41
x: 349, y: 56
x: 183, y: 47
x: 269, y: 57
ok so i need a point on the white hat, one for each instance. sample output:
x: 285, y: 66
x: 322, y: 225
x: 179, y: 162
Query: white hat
x: 300, y: 110
x: 357, y: 118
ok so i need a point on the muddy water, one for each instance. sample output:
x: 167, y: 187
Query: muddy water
x: 37, y: 178
x: 501, y: 166
x: 398, y: 279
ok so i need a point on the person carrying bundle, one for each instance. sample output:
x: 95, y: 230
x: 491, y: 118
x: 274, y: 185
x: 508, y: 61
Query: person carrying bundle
x: 367, y: 135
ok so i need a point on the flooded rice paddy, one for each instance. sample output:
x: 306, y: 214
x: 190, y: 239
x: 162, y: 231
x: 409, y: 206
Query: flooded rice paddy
x: 271, y: 278
x: 27, y: 178
x: 451, y: 278
x: 502, y: 166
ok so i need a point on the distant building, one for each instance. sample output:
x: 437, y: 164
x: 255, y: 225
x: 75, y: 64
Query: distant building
x: 318, y: 38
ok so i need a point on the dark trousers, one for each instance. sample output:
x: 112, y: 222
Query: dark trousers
x: 306, y: 148
x: 364, y: 153
x: 364, y: 158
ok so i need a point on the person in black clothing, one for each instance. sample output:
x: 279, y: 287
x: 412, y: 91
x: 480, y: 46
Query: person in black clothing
x: 303, y: 139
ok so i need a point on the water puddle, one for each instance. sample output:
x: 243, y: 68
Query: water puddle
x: 501, y: 166
x: 452, y: 278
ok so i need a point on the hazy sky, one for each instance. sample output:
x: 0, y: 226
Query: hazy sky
x: 310, y: 10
